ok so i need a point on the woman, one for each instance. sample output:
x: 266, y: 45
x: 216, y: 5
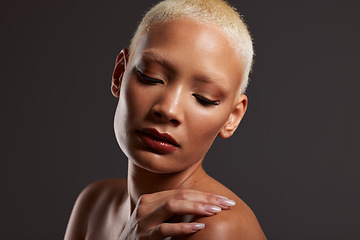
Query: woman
x: 180, y: 85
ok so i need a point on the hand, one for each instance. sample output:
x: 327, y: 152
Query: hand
x: 147, y: 221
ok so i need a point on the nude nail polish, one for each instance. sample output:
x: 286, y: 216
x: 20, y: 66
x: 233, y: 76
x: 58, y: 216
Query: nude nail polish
x: 197, y: 226
x: 226, y: 202
x: 212, y: 209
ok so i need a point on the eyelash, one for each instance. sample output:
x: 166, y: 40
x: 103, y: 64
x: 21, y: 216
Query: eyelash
x: 202, y: 100
x: 148, y: 79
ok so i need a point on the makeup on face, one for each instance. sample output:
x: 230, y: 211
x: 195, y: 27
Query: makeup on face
x: 156, y: 141
x: 176, y: 96
x: 209, y: 89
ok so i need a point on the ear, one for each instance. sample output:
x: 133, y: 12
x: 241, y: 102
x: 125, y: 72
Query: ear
x: 235, y: 117
x: 118, y: 73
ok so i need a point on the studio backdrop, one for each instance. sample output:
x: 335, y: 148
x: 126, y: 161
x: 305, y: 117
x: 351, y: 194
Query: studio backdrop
x: 294, y: 158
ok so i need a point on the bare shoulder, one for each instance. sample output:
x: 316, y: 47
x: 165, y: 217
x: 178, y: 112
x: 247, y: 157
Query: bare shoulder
x: 237, y: 223
x: 107, y: 188
x: 96, y: 197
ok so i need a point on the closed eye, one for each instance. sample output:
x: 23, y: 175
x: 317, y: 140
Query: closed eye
x: 146, y: 79
x: 204, y: 101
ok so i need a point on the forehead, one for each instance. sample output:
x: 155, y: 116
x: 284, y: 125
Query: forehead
x: 191, y: 48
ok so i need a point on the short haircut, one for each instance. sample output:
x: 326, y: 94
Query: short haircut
x: 216, y: 12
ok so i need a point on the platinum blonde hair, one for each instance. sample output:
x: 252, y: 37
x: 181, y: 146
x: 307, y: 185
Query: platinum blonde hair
x: 216, y: 12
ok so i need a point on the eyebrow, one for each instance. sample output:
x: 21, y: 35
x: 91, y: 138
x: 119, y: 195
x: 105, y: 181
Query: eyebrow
x: 162, y: 59
x: 215, y: 81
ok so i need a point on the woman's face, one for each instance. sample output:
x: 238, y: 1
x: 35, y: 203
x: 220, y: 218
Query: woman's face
x: 178, y: 91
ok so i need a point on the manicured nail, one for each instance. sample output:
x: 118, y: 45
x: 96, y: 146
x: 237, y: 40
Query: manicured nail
x: 197, y: 226
x: 212, y: 209
x: 220, y: 196
x: 226, y: 202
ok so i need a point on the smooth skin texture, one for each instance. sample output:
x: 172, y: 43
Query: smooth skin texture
x: 183, y: 79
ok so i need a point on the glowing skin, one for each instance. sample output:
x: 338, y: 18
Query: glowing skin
x: 181, y: 80
x: 179, y: 90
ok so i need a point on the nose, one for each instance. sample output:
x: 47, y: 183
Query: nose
x: 168, y: 107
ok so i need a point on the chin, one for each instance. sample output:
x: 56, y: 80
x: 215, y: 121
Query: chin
x: 156, y: 163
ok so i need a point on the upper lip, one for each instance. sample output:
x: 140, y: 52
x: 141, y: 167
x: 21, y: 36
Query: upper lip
x: 161, y: 136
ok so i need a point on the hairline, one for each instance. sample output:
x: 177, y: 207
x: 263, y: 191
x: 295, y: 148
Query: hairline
x: 240, y: 41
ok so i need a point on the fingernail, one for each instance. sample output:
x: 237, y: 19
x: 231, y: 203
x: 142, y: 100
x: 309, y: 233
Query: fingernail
x: 212, y: 209
x: 220, y: 196
x: 197, y: 226
x: 226, y: 202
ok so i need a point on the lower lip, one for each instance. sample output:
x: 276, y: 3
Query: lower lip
x: 156, y: 144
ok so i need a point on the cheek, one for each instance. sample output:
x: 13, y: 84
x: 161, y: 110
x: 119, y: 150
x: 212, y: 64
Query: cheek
x: 129, y: 108
x: 206, y: 125
x: 136, y: 99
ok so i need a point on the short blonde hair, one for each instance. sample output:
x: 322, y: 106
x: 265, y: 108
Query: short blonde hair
x: 217, y: 12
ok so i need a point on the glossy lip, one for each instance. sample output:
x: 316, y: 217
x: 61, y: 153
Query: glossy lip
x: 160, y: 136
x: 159, y: 142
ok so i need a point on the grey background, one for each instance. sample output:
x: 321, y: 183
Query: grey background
x: 294, y: 159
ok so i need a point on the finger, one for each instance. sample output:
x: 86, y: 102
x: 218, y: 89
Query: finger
x: 154, y: 209
x: 192, y: 195
x: 167, y: 193
x: 177, y: 207
x: 184, y: 207
x: 175, y: 229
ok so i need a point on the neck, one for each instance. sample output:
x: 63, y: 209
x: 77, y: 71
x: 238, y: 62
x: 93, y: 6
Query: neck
x: 142, y: 181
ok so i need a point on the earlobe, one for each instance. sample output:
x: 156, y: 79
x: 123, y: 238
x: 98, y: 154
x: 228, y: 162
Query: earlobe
x: 118, y: 73
x: 235, y: 118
